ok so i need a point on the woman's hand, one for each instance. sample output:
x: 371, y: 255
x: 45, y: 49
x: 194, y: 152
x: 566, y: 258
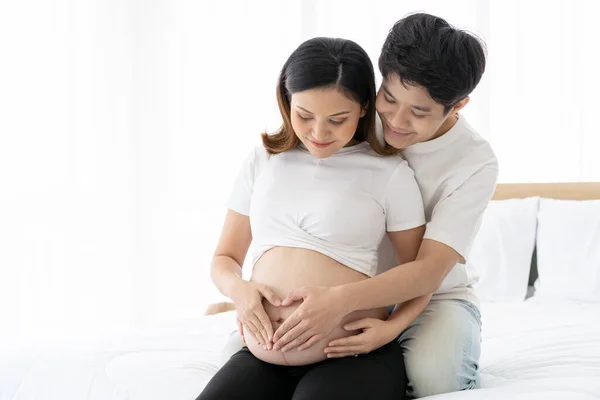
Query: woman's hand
x: 251, y: 313
x: 375, y: 333
x: 319, y: 314
x: 241, y: 329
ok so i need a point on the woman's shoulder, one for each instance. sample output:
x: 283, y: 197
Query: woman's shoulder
x: 258, y: 156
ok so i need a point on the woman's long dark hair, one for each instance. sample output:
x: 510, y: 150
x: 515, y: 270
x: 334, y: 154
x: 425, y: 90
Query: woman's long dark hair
x: 320, y: 63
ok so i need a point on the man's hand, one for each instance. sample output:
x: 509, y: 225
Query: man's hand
x: 319, y: 314
x: 375, y: 334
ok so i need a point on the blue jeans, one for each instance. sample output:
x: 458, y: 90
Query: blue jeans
x: 441, y: 348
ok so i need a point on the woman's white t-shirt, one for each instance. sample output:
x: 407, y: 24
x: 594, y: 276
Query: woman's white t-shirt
x: 340, y: 206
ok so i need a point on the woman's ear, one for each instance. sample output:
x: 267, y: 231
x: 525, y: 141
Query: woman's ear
x: 364, y: 110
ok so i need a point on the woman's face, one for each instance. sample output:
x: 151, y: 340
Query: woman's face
x: 324, y: 120
x: 409, y: 115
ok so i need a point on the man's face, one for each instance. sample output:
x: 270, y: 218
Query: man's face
x: 409, y: 115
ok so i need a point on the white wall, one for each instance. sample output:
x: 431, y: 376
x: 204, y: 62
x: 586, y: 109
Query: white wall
x: 123, y: 124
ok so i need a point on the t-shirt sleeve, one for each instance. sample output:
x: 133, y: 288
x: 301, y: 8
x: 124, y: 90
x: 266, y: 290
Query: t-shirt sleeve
x: 455, y: 219
x: 403, y: 201
x: 241, y: 194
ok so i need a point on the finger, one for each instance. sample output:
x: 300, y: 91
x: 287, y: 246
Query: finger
x: 293, y: 296
x: 284, y: 328
x: 355, y: 340
x: 268, y: 294
x: 345, y: 349
x: 293, y: 333
x: 254, y: 331
x: 311, y: 342
x: 360, y: 324
x: 300, y: 340
x: 261, y: 331
x: 298, y: 332
x: 265, y: 321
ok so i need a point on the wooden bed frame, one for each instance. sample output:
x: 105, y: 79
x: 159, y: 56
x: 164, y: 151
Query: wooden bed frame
x: 560, y: 191
x: 504, y: 191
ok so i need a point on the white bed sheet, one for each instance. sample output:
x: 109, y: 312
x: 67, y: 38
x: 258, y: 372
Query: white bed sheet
x: 173, y: 362
x: 531, y: 350
x: 538, y: 349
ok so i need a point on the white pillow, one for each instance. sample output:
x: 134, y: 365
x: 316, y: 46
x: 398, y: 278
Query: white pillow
x: 568, y: 249
x: 503, y: 248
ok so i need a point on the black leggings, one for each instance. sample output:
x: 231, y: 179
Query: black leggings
x: 378, y: 375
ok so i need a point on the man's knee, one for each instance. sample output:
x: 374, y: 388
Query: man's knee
x: 433, y: 375
x: 441, y: 350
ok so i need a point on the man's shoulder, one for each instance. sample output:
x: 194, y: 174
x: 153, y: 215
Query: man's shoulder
x: 473, y: 150
x: 465, y: 162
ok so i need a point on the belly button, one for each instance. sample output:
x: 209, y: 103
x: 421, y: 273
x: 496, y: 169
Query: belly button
x: 277, y: 322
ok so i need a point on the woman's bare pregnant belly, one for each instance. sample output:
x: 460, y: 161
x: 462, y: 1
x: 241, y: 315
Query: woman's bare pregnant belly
x: 284, y: 269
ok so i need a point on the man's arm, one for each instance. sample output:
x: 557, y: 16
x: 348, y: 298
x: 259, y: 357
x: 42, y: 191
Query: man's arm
x: 404, y: 314
x: 405, y: 282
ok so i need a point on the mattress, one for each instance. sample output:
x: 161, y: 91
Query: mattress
x: 530, y: 350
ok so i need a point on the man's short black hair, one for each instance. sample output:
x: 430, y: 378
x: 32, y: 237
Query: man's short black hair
x: 427, y: 51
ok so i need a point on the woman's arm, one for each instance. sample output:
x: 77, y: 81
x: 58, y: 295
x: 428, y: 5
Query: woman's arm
x: 407, y: 244
x: 226, y: 273
x: 226, y: 266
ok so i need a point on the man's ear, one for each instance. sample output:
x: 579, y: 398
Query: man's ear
x: 460, y: 105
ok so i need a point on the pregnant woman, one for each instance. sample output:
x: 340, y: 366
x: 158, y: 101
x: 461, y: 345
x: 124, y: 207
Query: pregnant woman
x: 315, y: 201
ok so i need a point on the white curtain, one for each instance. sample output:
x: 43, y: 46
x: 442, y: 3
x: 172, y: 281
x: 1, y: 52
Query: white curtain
x: 123, y: 124
x: 67, y: 168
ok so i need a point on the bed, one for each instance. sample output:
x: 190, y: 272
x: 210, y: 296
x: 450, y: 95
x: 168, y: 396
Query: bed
x: 540, y: 346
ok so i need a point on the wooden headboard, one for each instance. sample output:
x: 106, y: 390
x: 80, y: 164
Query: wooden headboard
x: 560, y: 191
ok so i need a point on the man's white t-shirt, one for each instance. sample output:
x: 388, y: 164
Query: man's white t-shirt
x: 457, y: 175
